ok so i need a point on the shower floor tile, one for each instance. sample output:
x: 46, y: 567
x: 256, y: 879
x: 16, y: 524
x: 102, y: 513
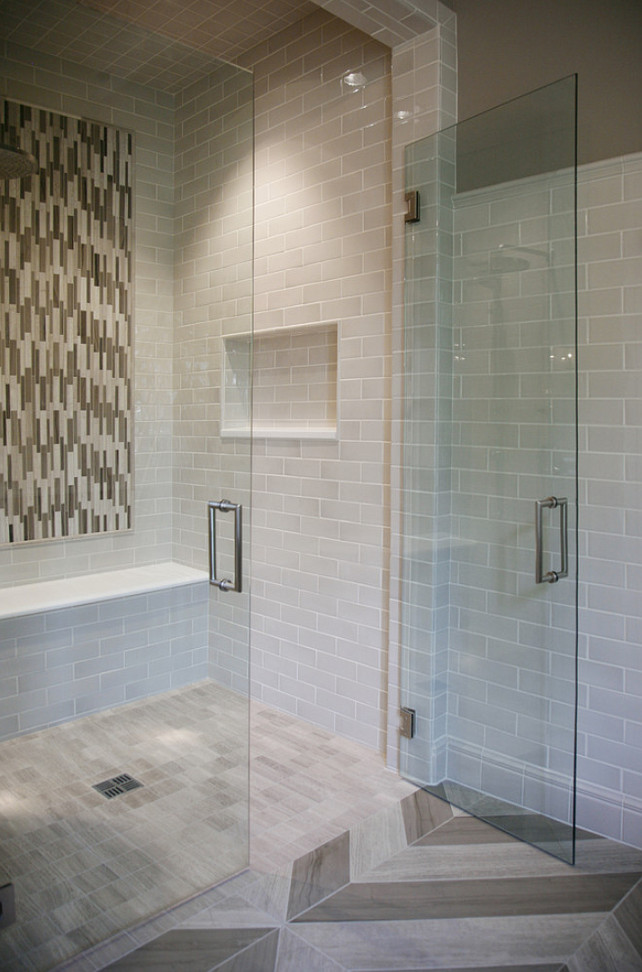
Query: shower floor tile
x: 85, y: 867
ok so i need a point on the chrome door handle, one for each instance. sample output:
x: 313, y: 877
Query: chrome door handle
x: 551, y: 503
x: 224, y: 506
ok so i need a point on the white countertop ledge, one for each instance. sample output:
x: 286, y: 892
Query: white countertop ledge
x: 53, y: 595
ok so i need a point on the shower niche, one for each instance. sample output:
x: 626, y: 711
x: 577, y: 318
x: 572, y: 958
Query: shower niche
x: 295, y: 383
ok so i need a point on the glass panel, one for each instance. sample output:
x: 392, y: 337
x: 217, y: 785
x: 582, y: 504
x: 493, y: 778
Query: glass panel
x: 125, y: 665
x: 489, y: 654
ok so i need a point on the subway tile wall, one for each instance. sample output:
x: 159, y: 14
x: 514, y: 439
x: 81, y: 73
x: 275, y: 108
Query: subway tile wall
x: 297, y: 649
x: 610, y: 689
x: 320, y: 543
x: 610, y: 361
x: 426, y: 478
x: 213, y: 298
x: 511, y: 641
x: 60, y: 665
x: 295, y: 380
x: 67, y: 663
x: 212, y: 291
x: 393, y: 22
x: 424, y: 102
x: 53, y: 83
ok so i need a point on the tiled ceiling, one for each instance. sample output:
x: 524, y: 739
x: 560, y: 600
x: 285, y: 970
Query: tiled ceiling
x: 221, y: 28
x: 166, y: 44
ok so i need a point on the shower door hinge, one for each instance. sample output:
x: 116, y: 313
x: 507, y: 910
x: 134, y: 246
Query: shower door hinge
x: 7, y: 905
x: 407, y: 724
x: 412, y: 203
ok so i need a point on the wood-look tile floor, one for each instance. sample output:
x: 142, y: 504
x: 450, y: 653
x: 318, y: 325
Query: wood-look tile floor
x: 419, y: 886
x: 354, y: 870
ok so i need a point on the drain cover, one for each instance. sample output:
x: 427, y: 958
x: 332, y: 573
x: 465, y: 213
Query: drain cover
x: 117, y: 785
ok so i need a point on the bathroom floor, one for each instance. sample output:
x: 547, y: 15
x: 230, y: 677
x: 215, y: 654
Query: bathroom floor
x: 418, y: 887
x: 353, y: 869
x: 85, y: 867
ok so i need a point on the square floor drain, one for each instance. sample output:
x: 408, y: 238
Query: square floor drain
x: 117, y: 785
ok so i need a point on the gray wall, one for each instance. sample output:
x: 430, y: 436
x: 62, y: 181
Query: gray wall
x: 509, y: 47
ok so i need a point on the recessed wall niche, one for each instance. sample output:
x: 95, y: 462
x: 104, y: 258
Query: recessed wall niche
x: 65, y: 346
x: 295, y: 375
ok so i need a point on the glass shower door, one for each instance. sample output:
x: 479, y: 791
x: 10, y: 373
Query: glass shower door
x: 489, y: 549
x: 124, y: 674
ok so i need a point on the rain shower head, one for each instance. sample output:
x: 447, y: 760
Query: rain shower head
x: 15, y: 163
x: 504, y: 263
x: 508, y: 258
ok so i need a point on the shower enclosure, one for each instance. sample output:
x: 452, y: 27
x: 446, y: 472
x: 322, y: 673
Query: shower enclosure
x: 489, y: 545
x: 126, y: 267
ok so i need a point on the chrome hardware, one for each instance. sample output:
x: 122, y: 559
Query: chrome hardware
x: 551, y: 503
x: 224, y: 506
x: 407, y: 724
x: 412, y: 203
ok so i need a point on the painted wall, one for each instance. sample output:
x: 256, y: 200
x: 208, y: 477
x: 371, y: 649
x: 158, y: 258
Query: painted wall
x: 510, y: 47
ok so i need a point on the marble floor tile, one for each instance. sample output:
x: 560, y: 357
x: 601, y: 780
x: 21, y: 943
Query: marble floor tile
x: 463, y: 830
x: 512, y: 859
x: 423, y: 814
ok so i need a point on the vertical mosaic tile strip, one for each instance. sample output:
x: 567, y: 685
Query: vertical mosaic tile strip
x: 65, y: 346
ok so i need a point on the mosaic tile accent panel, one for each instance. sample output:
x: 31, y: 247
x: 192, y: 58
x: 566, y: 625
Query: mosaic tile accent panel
x: 65, y: 349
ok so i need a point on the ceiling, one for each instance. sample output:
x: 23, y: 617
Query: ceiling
x: 228, y: 29
x: 221, y: 28
x: 169, y: 44
x: 164, y: 44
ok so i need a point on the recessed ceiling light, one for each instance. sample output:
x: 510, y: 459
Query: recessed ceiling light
x: 355, y: 80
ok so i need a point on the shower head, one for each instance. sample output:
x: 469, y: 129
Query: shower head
x: 505, y: 258
x: 15, y: 163
x: 503, y: 263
